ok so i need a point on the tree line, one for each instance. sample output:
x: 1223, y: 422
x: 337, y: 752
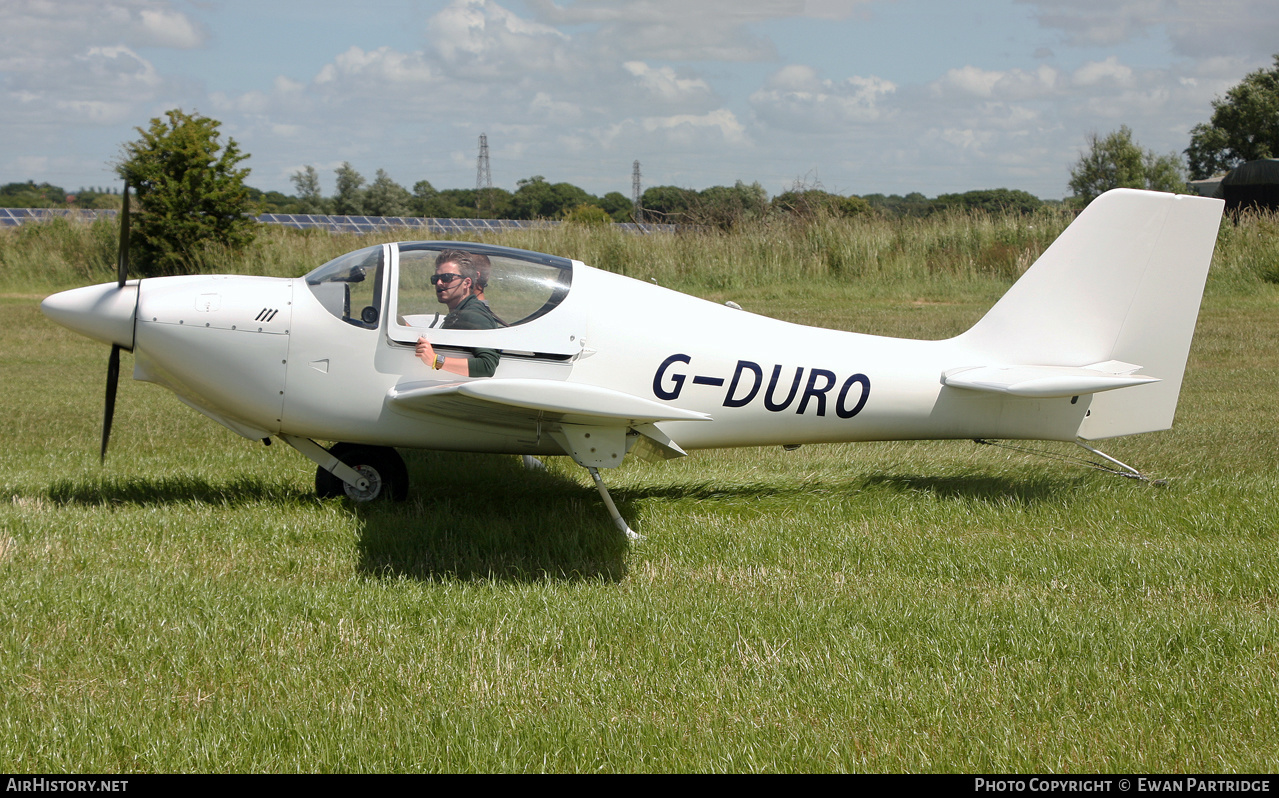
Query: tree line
x: 537, y: 198
x: 45, y: 195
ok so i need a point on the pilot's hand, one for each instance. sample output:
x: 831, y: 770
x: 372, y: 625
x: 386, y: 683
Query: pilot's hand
x: 425, y: 352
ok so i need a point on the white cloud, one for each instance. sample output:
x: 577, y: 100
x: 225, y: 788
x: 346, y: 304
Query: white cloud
x: 1007, y: 84
x: 101, y: 85
x: 286, y: 85
x: 1110, y: 71
x: 78, y: 60
x: 95, y: 111
x: 169, y: 28
x: 966, y: 139
x: 47, y: 29
x: 722, y: 121
x: 543, y: 105
x: 664, y: 84
x: 482, y: 38
x: 678, y: 30
x: 795, y: 98
x: 1098, y: 23
x: 252, y: 102
x: 971, y: 80
x: 675, y: 133
x: 1195, y: 28
x: 373, y: 66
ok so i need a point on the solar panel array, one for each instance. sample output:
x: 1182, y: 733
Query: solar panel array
x: 369, y: 224
x: 11, y: 217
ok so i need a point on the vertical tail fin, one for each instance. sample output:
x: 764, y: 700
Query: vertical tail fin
x: 1122, y: 283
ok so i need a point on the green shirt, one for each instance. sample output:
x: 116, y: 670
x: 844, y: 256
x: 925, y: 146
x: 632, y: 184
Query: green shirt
x: 472, y: 314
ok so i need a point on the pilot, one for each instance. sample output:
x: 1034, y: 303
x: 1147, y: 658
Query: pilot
x: 483, y: 268
x: 456, y: 278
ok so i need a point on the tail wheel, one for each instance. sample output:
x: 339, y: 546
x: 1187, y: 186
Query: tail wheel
x: 382, y: 466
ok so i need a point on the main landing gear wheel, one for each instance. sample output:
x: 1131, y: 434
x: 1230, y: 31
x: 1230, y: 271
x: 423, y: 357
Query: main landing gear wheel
x: 382, y: 466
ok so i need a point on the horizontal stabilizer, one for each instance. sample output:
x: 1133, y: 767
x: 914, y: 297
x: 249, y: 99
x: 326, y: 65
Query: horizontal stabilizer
x: 520, y: 401
x: 1046, y: 382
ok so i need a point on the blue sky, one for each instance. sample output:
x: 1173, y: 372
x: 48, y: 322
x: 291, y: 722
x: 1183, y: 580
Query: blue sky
x: 858, y: 96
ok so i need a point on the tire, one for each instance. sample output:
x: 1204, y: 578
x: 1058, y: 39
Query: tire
x: 381, y: 465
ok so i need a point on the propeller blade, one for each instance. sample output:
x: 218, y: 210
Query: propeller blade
x: 113, y: 378
x: 122, y: 264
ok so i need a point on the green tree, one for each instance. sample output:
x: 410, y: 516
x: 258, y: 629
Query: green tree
x: 1117, y: 161
x: 668, y: 204
x: 589, y: 215
x: 802, y: 202
x: 274, y: 201
x: 456, y: 203
x: 1244, y: 126
x: 349, y: 199
x: 425, y: 199
x: 493, y: 203
x: 913, y: 204
x: 30, y: 195
x: 535, y: 198
x: 726, y: 207
x: 190, y: 192
x: 992, y: 200
x: 307, y: 183
x: 618, y: 206
x: 385, y: 197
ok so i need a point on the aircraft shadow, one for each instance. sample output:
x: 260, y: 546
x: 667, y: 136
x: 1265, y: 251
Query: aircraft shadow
x: 984, y: 487
x: 1026, y: 490
x: 147, y: 491
x: 481, y: 517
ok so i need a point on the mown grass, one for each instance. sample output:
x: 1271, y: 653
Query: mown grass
x: 933, y: 606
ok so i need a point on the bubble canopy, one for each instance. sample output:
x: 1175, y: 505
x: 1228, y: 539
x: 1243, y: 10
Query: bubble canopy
x: 388, y: 286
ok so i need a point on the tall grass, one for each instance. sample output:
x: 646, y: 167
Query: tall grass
x: 1247, y: 250
x: 56, y: 253
x: 956, y: 245
x: 886, y: 252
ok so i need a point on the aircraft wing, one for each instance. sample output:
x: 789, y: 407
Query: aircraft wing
x: 1047, y: 382
x: 589, y: 422
x: 519, y: 399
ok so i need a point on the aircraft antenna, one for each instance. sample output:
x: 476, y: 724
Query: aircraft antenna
x: 637, y: 209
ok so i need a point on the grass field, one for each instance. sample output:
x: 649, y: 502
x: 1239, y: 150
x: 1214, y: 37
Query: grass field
x: 936, y: 606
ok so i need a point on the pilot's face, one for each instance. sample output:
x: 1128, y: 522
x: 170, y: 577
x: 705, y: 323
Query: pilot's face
x: 453, y: 292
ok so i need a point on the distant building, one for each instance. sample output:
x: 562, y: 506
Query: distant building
x: 1253, y: 184
x: 1209, y: 187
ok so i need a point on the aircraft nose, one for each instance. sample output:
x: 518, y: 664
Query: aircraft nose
x: 102, y: 312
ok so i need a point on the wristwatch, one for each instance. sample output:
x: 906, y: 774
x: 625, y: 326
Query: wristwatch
x: 439, y: 362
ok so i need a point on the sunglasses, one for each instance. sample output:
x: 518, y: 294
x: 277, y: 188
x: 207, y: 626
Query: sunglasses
x: 446, y: 278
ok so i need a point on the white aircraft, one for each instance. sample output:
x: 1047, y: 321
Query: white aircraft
x: 1090, y: 343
